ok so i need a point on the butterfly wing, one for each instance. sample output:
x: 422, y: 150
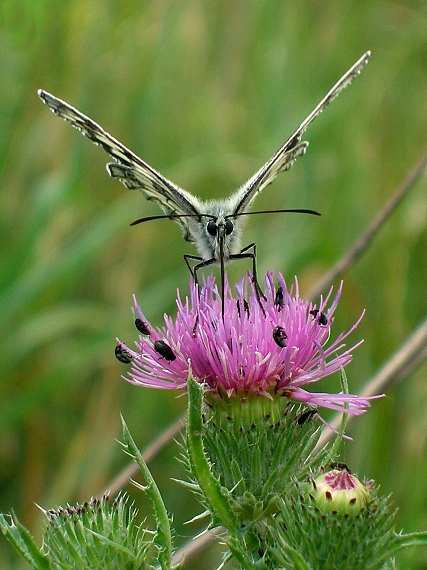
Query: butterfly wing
x: 284, y: 158
x: 131, y: 170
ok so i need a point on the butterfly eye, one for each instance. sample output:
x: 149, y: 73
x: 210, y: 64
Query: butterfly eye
x: 212, y: 228
x: 229, y: 227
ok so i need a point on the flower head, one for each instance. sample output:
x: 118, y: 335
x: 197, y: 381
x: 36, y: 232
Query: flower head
x: 272, y: 350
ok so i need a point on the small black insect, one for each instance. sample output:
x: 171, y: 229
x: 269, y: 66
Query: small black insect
x: 279, y: 336
x: 122, y: 354
x: 164, y: 350
x: 305, y: 416
x: 340, y: 466
x: 321, y: 317
x: 279, y: 300
x: 142, y: 327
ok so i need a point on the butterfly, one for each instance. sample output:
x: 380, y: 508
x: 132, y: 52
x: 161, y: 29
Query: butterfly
x: 215, y: 226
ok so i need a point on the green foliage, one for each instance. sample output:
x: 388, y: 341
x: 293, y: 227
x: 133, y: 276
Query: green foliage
x: 20, y: 538
x: 295, y: 524
x: 288, y: 525
x: 216, y: 496
x: 308, y: 536
x: 205, y: 92
x: 256, y: 444
x: 162, y: 538
x: 99, y: 534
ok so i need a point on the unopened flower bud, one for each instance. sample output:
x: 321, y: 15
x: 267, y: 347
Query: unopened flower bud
x: 338, y: 491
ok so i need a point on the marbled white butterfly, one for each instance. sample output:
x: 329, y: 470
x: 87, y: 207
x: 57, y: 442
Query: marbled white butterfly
x: 215, y: 226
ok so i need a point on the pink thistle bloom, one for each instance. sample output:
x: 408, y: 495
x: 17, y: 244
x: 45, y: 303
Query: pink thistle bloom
x: 273, y: 351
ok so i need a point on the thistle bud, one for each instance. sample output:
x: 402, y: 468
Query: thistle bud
x: 338, y: 491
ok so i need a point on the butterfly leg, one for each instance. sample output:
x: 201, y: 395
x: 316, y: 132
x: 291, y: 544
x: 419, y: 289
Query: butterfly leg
x: 203, y: 263
x: 193, y: 270
x: 246, y: 254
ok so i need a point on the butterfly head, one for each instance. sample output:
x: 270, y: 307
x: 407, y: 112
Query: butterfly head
x: 216, y: 233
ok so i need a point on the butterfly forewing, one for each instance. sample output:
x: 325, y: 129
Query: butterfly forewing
x: 284, y: 158
x: 131, y: 170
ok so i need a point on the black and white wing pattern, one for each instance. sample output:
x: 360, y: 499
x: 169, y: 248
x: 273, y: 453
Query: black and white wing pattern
x: 284, y: 158
x: 132, y: 171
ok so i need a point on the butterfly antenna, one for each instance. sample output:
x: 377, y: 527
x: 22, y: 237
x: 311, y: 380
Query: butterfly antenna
x: 169, y: 217
x: 294, y: 211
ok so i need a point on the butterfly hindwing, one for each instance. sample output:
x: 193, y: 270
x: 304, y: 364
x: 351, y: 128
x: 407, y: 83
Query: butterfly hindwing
x: 281, y: 161
x: 173, y: 201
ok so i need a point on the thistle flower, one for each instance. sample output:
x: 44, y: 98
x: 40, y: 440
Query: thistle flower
x: 273, y: 350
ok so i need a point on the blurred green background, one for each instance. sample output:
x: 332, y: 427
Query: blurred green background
x: 205, y: 92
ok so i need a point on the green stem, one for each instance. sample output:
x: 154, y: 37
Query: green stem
x: 163, y: 537
x: 216, y: 496
x: 210, y: 486
x: 333, y: 452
